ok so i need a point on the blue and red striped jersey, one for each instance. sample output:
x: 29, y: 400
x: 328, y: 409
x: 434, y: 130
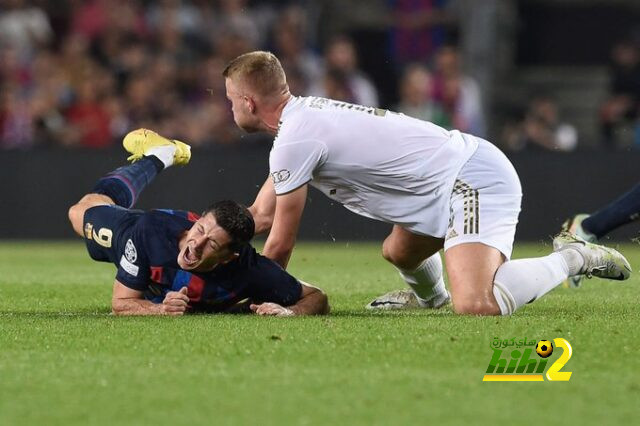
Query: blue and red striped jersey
x: 145, y: 250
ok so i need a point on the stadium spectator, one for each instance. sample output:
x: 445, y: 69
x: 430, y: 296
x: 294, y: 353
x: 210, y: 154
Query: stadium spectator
x: 97, y: 18
x: 49, y: 90
x: 623, y: 104
x: 541, y: 128
x: 458, y: 93
x: 16, y: 123
x: 24, y: 27
x: 176, y: 15
x: 13, y: 70
x: 149, y: 64
x: 89, y: 18
x: 75, y: 59
x: 139, y: 99
x: 208, y: 120
x: 336, y: 86
x: 235, y: 29
x: 418, y: 29
x: 297, y: 58
x: 416, y: 99
x: 341, y: 57
x: 88, y: 119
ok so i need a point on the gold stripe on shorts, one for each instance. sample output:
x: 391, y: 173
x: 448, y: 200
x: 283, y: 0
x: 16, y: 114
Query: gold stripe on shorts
x: 471, y: 206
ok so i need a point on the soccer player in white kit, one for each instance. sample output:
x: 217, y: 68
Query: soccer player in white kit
x: 439, y: 188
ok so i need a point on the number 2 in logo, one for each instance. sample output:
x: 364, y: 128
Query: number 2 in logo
x: 554, y: 373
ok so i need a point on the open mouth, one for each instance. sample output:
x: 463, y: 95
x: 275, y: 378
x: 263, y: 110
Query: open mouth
x: 189, y: 257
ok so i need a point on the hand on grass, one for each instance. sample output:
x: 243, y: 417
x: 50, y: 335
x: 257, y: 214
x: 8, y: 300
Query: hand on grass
x: 271, y: 309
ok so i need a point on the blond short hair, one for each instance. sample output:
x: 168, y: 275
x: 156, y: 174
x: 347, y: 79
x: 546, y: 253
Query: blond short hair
x: 261, y: 71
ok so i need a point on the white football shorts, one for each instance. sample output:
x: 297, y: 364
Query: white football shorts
x: 485, y: 202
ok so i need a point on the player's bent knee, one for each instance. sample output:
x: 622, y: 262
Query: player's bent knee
x: 399, y: 258
x: 386, y: 253
x: 473, y: 307
x: 76, y: 211
x: 76, y: 216
x: 394, y: 257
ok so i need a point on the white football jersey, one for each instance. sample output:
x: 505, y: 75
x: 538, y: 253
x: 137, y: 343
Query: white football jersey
x: 377, y: 163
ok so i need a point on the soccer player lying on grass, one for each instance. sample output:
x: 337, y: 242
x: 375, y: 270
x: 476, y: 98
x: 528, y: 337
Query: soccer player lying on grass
x: 173, y: 262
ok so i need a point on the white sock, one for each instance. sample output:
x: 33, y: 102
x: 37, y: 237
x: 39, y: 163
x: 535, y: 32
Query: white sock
x: 426, y: 280
x: 164, y: 153
x: 522, y: 281
x: 574, y: 260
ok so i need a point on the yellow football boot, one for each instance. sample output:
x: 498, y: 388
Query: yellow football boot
x: 139, y: 142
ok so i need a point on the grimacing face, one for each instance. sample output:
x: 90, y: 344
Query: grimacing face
x: 205, y: 246
x: 240, y: 106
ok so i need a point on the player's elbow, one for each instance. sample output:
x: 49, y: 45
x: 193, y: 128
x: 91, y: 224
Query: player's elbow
x: 118, y: 307
x: 314, y: 302
x: 120, y: 312
x: 263, y: 225
x: 262, y: 219
x: 115, y: 309
x: 323, y: 303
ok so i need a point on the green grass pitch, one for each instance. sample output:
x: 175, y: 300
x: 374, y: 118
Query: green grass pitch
x: 65, y: 360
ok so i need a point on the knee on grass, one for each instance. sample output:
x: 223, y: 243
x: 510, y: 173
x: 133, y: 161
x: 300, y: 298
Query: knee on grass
x: 476, y: 307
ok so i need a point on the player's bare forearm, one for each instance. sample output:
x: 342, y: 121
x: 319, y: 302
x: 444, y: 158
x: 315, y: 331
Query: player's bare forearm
x: 312, y: 302
x: 278, y: 251
x: 136, y: 307
x: 126, y: 301
x: 264, y: 207
x: 262, y: 221
x: 282, y: 239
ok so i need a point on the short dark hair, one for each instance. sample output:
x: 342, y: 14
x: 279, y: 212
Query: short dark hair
x: 235, y: 219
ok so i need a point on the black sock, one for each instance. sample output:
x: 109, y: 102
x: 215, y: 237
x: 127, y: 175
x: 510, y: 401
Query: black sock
x: 620, y: 212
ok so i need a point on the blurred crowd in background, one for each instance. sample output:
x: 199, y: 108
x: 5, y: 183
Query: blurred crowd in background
x: 83, y: 73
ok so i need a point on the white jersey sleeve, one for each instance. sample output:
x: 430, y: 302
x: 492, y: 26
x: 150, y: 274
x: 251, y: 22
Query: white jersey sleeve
x: 292, y: 165
x: 377, y: 163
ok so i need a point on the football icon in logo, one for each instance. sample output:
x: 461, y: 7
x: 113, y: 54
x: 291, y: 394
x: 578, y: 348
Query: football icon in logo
x: 544, y: 348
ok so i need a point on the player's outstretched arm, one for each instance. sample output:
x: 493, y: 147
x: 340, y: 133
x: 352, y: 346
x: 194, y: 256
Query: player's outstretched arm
x: 282, y: 238
x: 126, y: 301
x: 312, y: 301
x: 264, y: 207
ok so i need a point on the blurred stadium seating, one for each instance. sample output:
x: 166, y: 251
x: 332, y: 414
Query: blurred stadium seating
x: 83, y: 72
x: 79, y: 74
